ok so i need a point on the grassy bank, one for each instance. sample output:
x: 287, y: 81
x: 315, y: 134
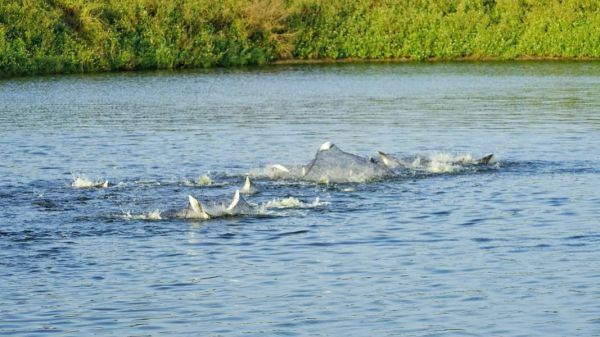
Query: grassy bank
x: 61, y: 36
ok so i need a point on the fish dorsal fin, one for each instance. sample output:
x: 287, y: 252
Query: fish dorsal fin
x: 279, y: 167
x: 197, y: 208
x: 486, y: 159
x: 387, y: 160
x: 235, y: 201
x: 326, y: 146
x: 247, y: 188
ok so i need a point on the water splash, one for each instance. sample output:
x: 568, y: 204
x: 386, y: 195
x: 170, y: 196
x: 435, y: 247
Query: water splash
x: 85, y: 182
x: 277, y: 171
x: 203, y: 180
x: 292, y: 202
x: 153, y: 215
x: 443, y: 163
x: 289, y: 202
x: 440, y: 162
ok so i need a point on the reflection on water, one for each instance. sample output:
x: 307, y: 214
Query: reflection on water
x: 508, y: 250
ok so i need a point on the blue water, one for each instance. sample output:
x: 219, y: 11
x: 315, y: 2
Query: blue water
x: 509, y: 250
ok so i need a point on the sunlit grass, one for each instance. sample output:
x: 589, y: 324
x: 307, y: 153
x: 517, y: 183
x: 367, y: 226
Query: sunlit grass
x: 59, y: 36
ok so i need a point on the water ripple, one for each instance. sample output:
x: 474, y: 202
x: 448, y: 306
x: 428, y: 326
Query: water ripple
x: 506, y: 250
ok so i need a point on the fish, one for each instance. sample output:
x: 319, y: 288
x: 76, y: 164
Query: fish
x: 422, y: 162
x: 333, y: 165
x: 215, y: 207
x: 248, y: 187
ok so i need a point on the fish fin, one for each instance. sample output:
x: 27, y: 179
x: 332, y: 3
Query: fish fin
x: 247, y: 188
x: 386, y: 159
x: 325, y: 146
x: 486, y: 159
x: 197, y: 208
x: 235, y: 201
x: 105, y: 184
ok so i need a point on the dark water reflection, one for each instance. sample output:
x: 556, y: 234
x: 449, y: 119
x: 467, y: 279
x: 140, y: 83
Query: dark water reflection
x: 509, y: 251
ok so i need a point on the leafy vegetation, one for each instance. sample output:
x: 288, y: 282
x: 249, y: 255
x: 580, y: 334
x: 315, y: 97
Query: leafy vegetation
x: 61, y: 36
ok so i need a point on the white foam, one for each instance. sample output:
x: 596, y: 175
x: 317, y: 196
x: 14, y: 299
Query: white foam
x: 289, y: 202
x: 318, y: 203
x: 442, y: 162
x: 464, y: 159
x: 85, y: 182
x: 292, y: 202
x: 448, y: 163
x: 277, y: 171
x: 153, y: 215
x: 203, y: 180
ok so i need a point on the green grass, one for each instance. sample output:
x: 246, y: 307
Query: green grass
x: 65, y: 36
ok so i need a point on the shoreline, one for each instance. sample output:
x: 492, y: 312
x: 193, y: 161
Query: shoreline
x: 434, y: 60
x: 325, y: 61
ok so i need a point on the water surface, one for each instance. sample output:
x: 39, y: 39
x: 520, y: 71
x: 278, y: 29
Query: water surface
x: 508, y: 251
